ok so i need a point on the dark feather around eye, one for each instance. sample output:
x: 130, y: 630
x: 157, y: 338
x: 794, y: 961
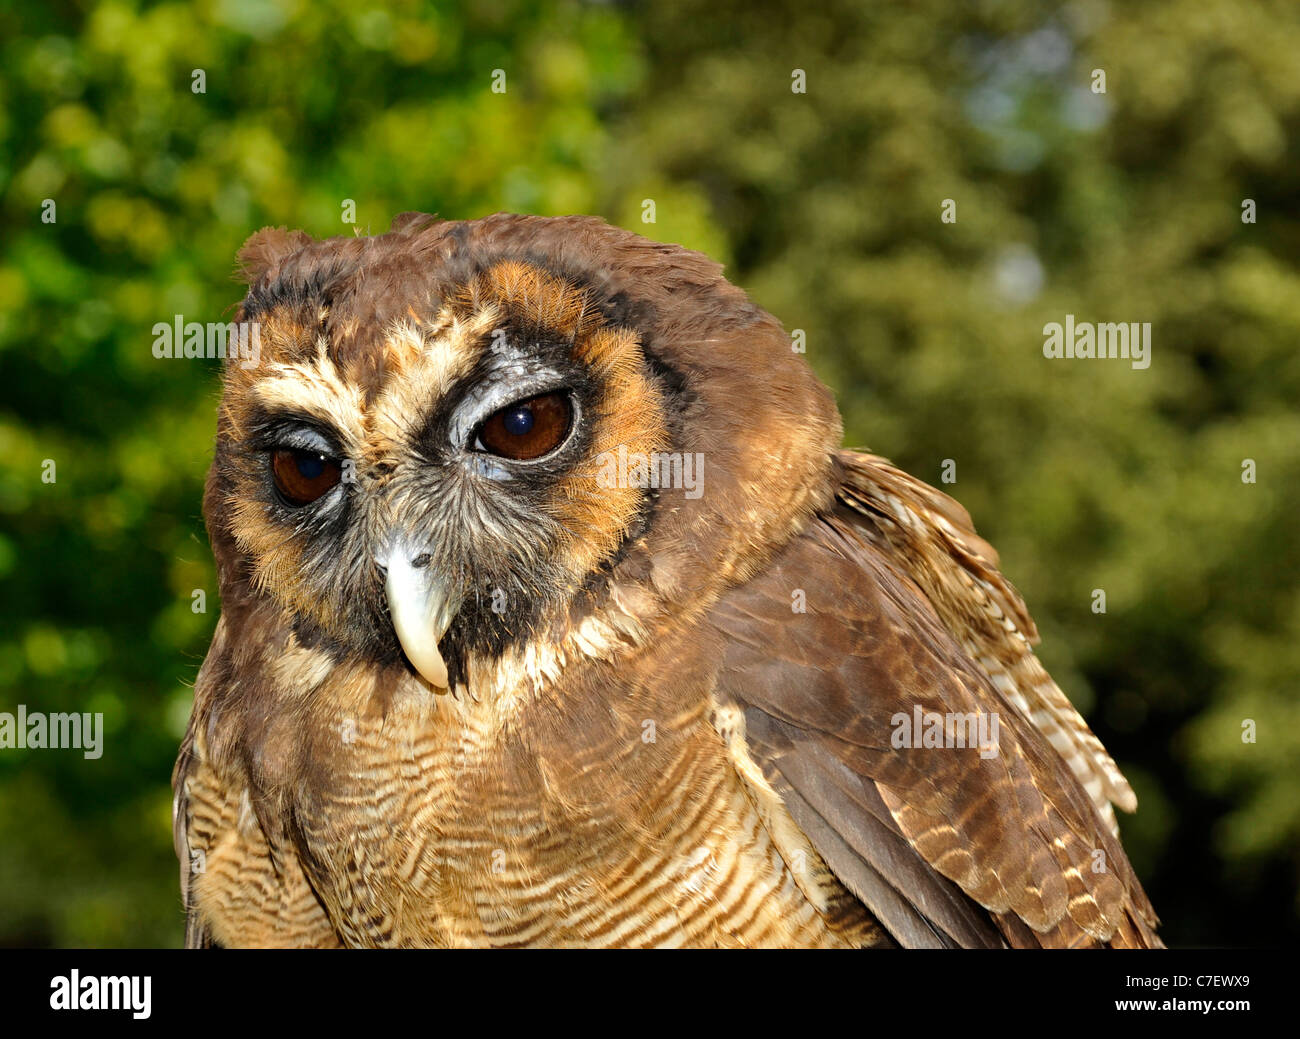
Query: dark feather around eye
x: 527, y: 429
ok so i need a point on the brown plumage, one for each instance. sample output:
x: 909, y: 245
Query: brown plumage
x: 479, y: 681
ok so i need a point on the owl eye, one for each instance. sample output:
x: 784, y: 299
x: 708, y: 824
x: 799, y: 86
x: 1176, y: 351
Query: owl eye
x: 303, y: 476
x: 527, y: 429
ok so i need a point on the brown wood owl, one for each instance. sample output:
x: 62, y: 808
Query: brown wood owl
x: 554, y: 614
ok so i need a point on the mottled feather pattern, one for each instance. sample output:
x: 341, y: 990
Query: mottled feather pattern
x: 1014, y: 832
x: 958, y: 571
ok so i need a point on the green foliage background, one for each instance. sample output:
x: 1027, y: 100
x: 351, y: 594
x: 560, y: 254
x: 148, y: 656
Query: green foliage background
x: 825, y: 205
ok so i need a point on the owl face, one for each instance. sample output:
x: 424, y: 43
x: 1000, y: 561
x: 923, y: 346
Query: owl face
x: 418, y: 472
x: 440, y: 493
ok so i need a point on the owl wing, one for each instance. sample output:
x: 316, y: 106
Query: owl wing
x: 242, y: 883
x: 197, y: 933
x: 934, y: 539
x: 902, y: 606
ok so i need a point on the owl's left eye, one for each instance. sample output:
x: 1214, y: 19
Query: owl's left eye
x: 527, y: 429
x: 303, y: 476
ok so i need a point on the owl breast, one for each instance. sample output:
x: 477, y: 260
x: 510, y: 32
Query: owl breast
x: 437, y: 823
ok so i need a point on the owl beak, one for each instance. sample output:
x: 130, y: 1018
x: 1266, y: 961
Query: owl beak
x: 420, y: 604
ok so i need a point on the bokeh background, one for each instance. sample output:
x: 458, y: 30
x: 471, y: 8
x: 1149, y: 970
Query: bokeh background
x: 825, y: 205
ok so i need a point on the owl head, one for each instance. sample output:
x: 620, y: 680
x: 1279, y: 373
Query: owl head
x: 464, y: 442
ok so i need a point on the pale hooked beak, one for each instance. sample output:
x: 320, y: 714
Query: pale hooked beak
x: 419, y: 602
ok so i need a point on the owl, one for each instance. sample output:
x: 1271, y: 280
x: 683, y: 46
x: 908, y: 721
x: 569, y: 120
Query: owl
x: 554, y: 614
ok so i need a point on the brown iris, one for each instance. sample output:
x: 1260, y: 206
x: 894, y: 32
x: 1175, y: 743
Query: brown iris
x: 303, y: 476
x: 528, y: 428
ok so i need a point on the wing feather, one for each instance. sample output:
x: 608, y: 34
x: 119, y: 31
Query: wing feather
x: 958, y: 570
x: 242, y: 883
x: 944, y: 846
x: 197, y: 935
x: 853, y: 811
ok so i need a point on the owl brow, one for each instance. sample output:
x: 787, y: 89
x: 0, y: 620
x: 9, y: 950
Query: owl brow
x: 271, y: 430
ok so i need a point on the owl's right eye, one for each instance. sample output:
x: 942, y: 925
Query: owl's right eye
x: 303, y: 476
